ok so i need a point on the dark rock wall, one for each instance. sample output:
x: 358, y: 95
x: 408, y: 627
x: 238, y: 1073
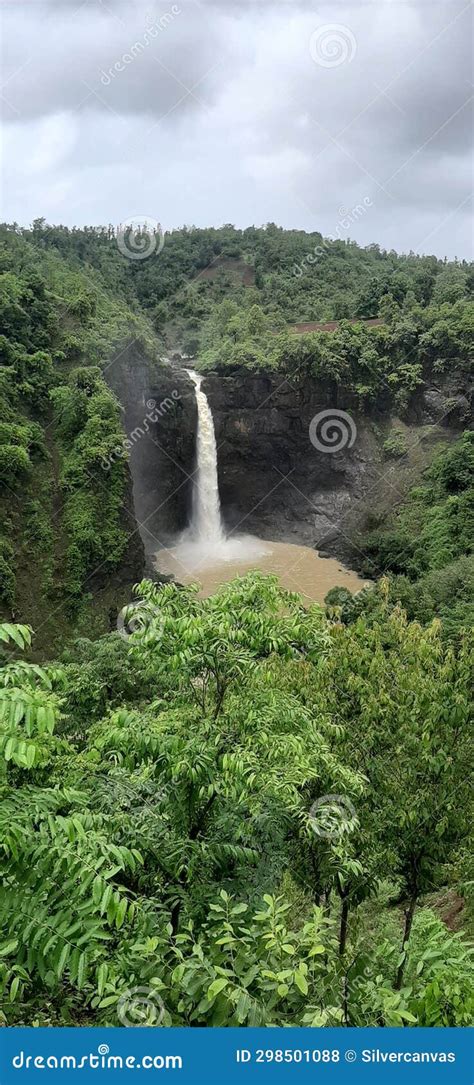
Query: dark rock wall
x: 159, y: 421
x: 272, y: 480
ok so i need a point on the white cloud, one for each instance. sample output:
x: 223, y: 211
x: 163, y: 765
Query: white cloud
x: 225, y: 116
x: 56, y: 135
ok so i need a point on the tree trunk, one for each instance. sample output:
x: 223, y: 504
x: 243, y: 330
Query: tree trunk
x: 409, y: 913
x: 343, y: 927
x: 174, y: 918
x: 220, y: 694
x: 345, y: 1000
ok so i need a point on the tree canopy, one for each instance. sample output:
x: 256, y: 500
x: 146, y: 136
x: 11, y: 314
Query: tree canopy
x: 232, y: 829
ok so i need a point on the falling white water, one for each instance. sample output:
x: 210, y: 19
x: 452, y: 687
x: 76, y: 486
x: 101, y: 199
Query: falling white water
x: 206, y: 524
x: 205, y: 542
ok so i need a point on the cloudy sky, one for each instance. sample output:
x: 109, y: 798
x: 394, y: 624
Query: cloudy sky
x: 246, y: 111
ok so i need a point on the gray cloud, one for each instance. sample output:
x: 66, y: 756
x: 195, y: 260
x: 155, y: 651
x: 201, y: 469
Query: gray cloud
x: 207, y: 111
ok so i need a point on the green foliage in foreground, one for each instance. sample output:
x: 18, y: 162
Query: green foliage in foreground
x: 217, y: 823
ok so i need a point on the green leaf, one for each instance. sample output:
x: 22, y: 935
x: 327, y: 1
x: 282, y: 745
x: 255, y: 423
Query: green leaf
x: 216, y: 987
x: 121, y: 912
x: 8, y: 947
x: 97, y: 889
x: 242, y: 1007
x: 301, y: 983
x: 102, y: 973
x: 81, y: 970
x: 30, y: 756
x: 110, y: 1000
x: 106, y: 898
x: 62, y: 960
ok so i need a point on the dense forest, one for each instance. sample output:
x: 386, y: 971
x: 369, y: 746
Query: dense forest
x: 239, y: 810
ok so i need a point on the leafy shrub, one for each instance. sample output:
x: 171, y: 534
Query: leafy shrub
x: 7, y: 572
x: 395, y: 445
x: 14, y: 464
x: 439, y: 975
x: 432, y: 532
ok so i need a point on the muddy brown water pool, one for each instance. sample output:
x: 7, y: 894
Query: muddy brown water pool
x: 299, y: 568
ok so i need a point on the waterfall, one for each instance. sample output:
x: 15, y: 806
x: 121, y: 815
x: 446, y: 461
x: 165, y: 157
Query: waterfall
x: 206, y: 523
x: 205, y: 543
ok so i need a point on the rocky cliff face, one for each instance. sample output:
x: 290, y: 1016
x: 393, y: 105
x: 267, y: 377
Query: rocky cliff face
x: 159, y: 421
x: 274, y: 481
x: 282, y: 476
